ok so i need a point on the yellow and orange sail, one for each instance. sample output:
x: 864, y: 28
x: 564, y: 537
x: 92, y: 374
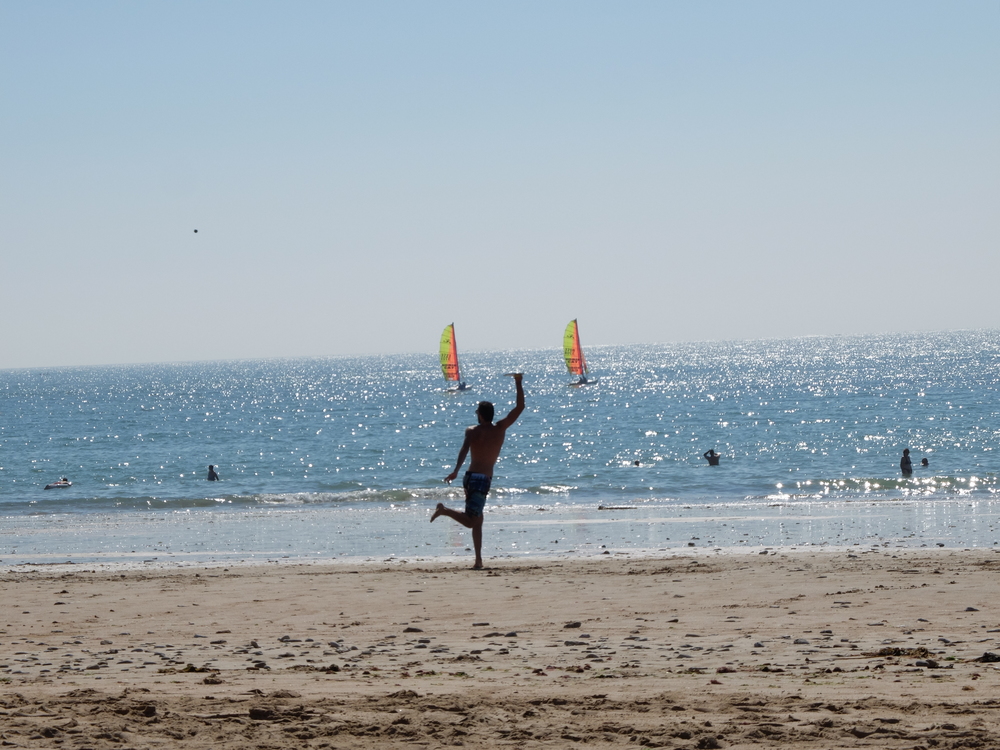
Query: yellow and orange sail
x: 572, y: 351
x: 449, y: 354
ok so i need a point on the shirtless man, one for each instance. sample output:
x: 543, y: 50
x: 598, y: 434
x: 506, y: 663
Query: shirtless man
x: 484, y: 440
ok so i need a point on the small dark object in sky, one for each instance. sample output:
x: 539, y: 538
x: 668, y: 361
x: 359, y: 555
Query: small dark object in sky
x: 196, y: 231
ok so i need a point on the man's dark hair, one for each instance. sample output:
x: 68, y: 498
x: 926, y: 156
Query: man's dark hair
x: 485, y: 410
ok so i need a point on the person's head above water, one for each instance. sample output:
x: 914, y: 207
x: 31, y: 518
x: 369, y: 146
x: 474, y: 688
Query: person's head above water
x: 485, y: 411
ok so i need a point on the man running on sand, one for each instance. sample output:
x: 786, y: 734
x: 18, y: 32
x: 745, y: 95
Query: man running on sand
x: 484, y: 440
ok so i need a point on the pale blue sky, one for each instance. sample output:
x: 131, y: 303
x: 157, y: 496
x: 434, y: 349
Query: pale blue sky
x: 362, y: 174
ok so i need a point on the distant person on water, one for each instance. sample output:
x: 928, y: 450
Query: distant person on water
x: 484, y: 440
x: 212, y: 474
x: 712, y: 457
x: 905, y: 464
x: 924, y: 462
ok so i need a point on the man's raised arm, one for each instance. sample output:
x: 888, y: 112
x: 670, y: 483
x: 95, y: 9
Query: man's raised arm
x: 518, y: 408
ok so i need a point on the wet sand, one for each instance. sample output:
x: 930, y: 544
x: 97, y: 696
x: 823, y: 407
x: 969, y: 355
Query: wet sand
x: 818, y: 649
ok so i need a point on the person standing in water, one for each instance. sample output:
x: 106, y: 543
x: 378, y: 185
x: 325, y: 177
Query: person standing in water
x: 484, y: 441
x: 905, y: 464
x: 212, y: 475
x: 711, y: 456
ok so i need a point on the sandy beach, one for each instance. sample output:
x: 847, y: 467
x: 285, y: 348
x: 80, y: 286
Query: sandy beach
x: 802, y: 648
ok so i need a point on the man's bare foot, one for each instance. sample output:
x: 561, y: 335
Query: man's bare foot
x: 478, y: 566
x: 438, y: 511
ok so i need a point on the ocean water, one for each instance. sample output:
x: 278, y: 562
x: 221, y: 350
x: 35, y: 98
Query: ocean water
x: 344, y: 457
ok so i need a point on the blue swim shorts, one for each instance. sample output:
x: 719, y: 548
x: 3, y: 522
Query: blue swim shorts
x: 477, y: 486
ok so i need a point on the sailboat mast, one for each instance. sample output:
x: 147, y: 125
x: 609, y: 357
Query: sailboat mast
x: 449, y: 354
x: 572, y: 351
x: 454, y: 355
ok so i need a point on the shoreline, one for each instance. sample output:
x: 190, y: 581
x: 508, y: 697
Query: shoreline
x: 811, y: 647
x: 511, y: 532
x: 56, y: 563
x: 184, y: 562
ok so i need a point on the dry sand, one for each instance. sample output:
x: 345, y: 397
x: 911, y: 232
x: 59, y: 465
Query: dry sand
x: 818, y: 649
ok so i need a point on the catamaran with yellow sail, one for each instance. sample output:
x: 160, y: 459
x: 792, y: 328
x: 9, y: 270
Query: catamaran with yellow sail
x: 449, y: 358
x: 573, y: 353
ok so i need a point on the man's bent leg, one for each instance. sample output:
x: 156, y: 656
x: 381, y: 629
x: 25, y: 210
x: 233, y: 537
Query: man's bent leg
x: 458, y: 515
x: 470, y: 522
